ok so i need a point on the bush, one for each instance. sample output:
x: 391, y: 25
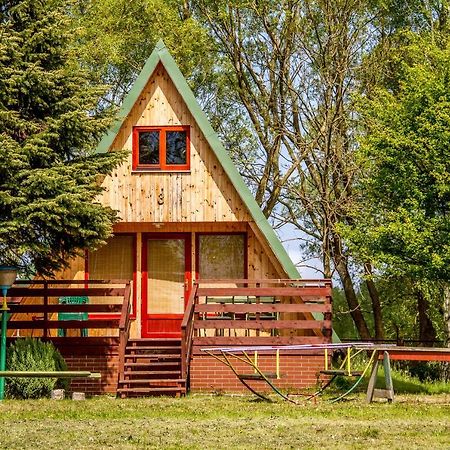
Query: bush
x: 30, y: 354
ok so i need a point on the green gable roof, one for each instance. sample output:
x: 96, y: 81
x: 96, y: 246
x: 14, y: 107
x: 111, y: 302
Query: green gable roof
x: 161, y: 54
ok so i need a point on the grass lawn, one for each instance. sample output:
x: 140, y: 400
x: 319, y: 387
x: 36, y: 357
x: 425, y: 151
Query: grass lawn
x: 413, y: 421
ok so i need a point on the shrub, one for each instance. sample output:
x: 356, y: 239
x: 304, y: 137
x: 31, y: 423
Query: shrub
x: 30, y: 354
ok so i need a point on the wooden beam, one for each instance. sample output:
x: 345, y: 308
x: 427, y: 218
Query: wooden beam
x: 225, y: 341
x: 55, y: 308
x: 267, y: 292
x: 66, y: 292
x: 63, y: 324
x: 262, y: 324
x: 402, y: 355
x: 64, y: 282
x: 262, y: 307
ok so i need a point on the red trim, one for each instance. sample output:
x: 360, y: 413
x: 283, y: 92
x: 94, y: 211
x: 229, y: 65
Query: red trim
x: 197, y: 248
x: 86, y: 277
x: 162, y: 149
x: 187, y: 276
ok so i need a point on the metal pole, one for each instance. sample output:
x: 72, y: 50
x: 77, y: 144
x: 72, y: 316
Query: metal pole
x: 4, y: 311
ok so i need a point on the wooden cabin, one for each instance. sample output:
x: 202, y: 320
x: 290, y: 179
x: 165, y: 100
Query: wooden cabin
x: 204, y: 267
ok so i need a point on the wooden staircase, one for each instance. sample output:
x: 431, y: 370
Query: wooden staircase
x: 152, y: 367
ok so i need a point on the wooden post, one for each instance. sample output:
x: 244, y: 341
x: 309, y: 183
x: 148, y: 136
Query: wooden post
x: 373, y: 379
x: 388, y: 391
x: 45, y: 311
x: 388, y: 377
x: 258, y: 315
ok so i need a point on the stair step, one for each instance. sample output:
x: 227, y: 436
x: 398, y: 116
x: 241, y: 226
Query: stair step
x: 152, y: 367
x: 151, y: 372
x: 152, y: 389
x: 154, y: 347
x: 154, y: 355
x: 154, y: 381
x: 153, y: 364
x: 155, y: 341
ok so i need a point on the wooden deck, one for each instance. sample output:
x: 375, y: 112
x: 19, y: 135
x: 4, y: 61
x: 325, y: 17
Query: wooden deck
x: 255, y: 312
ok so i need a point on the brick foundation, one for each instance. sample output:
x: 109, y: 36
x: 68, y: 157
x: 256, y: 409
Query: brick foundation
x: 100, y: 355
x: 297, y: 372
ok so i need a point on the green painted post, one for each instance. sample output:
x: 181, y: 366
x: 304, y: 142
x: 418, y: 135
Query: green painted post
x: 3, y: 344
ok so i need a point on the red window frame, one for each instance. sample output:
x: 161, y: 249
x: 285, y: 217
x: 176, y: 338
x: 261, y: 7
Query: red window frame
x: 162, y: 148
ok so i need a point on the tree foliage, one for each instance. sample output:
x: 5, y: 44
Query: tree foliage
x: 293, y: 66
x: 404, y: 222
x: 50, y: 124
x: 117, y: 37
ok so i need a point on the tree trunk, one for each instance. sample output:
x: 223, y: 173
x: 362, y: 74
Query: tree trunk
x: 340, y: 262
x: 376, y: 303
x: 427, y: 333
x: 446, y: 291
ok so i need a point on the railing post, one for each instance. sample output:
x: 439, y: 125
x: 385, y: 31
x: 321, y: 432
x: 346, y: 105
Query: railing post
x: 187, y: 332
x: 258, y: 315
x: 45, y: 309
x: 328, y: 316
x: 124, y: 330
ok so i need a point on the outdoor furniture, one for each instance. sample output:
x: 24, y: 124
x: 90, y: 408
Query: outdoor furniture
x: 73, y: 315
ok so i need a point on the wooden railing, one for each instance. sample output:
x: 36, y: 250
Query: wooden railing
x: 262, y: 312
x: 124, y: 330
x: 187, y: 333
x: 47, y: 289
x: 255, y: 312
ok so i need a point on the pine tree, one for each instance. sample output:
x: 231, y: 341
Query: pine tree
x: 50, y: 124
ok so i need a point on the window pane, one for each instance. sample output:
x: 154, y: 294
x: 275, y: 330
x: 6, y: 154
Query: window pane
x: 113, y: 261
x: 221, y: 256
x: 149, y: 147
x: 166, y: 275
x: 176, y: 147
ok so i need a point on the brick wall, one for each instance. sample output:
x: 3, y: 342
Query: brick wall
x: 99, y: 355
x: 297, y: 371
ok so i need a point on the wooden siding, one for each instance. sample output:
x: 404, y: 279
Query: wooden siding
x: 203, y: 194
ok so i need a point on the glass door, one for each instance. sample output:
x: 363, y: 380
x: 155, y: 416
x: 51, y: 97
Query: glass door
x: 166, y: 283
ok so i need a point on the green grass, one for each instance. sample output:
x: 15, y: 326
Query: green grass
x: 403, y: 384
x: 199, y: 422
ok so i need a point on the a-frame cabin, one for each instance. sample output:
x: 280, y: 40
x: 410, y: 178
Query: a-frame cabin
x: 196, y: 248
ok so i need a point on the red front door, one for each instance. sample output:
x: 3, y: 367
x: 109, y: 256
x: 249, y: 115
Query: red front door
x: 166, y: 281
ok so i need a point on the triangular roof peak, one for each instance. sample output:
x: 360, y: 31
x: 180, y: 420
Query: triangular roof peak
x: 161, y: 55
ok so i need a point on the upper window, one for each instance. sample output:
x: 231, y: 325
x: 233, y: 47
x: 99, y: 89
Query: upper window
x: 161, y: 148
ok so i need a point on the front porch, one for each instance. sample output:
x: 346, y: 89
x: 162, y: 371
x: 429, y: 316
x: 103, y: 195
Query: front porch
x: 96, y: 334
